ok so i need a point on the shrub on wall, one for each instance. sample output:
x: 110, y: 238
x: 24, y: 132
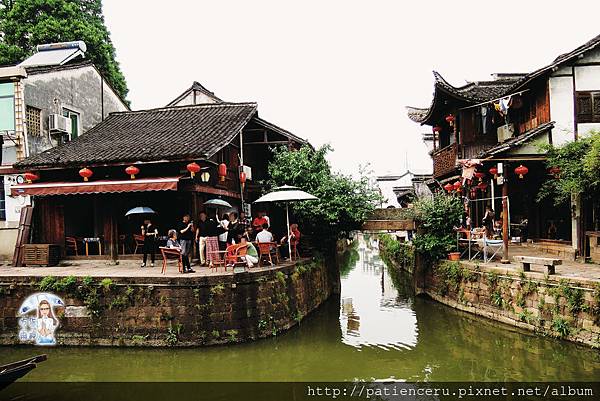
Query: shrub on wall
x: 436, y: 218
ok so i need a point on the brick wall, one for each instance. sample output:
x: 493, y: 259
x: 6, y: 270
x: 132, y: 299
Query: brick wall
x: 174, y: 311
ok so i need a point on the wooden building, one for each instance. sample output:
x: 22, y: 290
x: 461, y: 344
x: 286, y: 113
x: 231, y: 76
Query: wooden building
x: 160, y: 143
x: 499, y: 125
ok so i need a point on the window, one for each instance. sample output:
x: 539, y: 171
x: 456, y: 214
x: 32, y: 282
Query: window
x: 2, y: 199
x: 74, y: 117
x: 7, y: 106
x: 34, y: 117
x: 588, y: 107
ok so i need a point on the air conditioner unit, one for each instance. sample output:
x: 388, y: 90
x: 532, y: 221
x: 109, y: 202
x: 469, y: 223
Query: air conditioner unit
x: 505, y: 132
x: 58, y: 123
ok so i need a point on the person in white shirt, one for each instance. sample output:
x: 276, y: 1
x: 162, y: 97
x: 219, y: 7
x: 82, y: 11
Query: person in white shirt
x: 223, y: 237
x: 265, y: 235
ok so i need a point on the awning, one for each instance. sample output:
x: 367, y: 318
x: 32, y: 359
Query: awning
x: 95, y: 187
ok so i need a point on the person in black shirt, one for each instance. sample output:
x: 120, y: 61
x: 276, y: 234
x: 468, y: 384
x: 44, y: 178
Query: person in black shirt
x: 185, y: 232
x: 150, y: 232
x: 204, y: 229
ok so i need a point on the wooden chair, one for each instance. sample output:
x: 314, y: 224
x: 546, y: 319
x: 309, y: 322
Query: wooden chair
x: 139, y: 242
x: 122, y: 240
x: 171, y: 253
x: 264, y: 252
x: 295, y: 254
x: 233, y: 256
x: 71, y: 244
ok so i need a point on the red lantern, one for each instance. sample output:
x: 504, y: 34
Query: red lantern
x: 450, y: 119
x: 437, y: 128
x: 457, y: 186
x: 521, y: 171
x: 479, y: 175
x: 555, y: 171
x: 193, y: 168
x: 29, y: 177
x: 86, y: 173
x: 482, y: 186
x: 449, y: 187
x: 132, y: 171
x: 494, y: 171
x: 222, y: 171
x: 243, y: 179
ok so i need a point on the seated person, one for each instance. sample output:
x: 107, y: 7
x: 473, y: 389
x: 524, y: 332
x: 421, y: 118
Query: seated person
x: 264, y: 235
x: 498, y: 228
x: 247, y: 251
x: 478, y: 232
x: 294, y: 238
x: 172, y: 241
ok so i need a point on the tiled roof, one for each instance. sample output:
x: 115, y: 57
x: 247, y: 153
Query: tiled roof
x: 479, y: 91
x: 196, y: 86
x: 518, y: 140
x: 170, y: 133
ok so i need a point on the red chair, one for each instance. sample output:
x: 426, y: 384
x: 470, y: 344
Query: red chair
x: 139, y: 242
x: 171, y: 253
x: 233, y: 256
x: 264, y: 252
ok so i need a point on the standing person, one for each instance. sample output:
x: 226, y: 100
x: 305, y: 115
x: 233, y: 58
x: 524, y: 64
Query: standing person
x: 185, y: 232
x: 174, y: 243
x: 223, y: 236
x: 204, y: 229
x: 258, y: 222
x: 150, y: 232
x: 234, y: 229
x: 488, y: 221
x: 244, y: 222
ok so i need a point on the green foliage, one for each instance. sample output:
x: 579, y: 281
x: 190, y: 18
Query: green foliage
x: 217, y: 289
x: 47, y: 283
x: 561, y: 326
x: 492, y: 279
x: 595, y: 309
x: 215, y: 333
x: 579, y: 163
x: 280, y: 277
x: 344, y: 203
x: 574, y: 296
x: 393, y: 250
x: 436, y: 218
x: 107, y: 284
x: 173, y: 333
x: 27, y: 23
x: 232, y: 335
x: 497, y: 298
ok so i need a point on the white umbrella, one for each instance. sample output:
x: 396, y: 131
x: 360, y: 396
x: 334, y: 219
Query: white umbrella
x: 218, y: 203
x: 287, y: 194
x: 140, y: 210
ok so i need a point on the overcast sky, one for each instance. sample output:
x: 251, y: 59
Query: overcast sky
x: 337, y: 71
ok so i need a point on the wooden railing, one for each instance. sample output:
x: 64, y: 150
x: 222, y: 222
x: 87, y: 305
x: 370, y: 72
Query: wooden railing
x: 444, y: 160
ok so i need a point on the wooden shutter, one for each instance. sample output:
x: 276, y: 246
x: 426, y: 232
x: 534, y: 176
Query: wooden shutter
x: 584, y: 107
x: 596, y: 107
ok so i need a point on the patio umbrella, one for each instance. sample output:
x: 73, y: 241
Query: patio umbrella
x: 218, y: 203
x: 140, y: 210
x: 287, y: 194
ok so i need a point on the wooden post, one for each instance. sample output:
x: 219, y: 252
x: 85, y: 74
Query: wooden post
x: 505, y: 258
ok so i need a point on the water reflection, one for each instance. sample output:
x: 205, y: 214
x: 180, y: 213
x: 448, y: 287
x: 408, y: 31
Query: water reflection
x: 372, y: 313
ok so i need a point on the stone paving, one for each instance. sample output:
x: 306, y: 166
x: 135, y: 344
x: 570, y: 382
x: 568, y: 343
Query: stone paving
x: 569, y: 269
x: 125, y: 268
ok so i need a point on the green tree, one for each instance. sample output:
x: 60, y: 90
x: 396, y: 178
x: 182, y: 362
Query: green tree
x: 24, y: 24
x: 344, y: 202
x: 578, y: 163
x: 436, y: 218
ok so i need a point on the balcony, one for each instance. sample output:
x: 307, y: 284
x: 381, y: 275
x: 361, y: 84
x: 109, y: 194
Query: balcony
x: 444, y: 160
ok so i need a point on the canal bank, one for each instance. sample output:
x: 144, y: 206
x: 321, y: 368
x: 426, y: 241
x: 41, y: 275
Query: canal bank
x: 564, y: 307
x: 172, y: 310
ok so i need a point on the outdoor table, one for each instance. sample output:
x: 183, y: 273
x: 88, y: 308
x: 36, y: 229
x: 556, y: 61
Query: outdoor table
x: 92, y: 239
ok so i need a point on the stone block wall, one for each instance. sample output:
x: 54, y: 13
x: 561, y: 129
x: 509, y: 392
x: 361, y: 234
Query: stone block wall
x: 550, y: 305
x: 186, y: 311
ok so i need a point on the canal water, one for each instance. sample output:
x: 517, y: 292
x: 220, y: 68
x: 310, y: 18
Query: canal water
x: 376, y: 329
